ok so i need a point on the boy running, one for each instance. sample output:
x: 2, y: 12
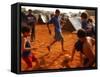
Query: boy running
x: 55, y: 20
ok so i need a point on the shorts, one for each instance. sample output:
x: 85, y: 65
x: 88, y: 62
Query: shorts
x: 26, y: 53
x: 31, y: 24
x: 79, y: 46
x: 58, y: 36
x: 29, y: 59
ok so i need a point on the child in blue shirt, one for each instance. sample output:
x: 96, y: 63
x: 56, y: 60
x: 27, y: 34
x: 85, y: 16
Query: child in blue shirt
x: 55, y: 20
x: 84, y: 17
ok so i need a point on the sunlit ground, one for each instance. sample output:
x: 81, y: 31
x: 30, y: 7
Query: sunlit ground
x: 56, y: 57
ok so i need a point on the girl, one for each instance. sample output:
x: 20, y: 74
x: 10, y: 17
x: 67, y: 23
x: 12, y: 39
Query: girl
x: 27, y: 55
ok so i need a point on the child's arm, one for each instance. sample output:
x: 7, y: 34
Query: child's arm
x: 93, y: 41
x: 88, y: 52
x: 28, y: 48
x: 25, y: 48
x: 48, y: 28
x: 31, y: 48
x: 49, y: 22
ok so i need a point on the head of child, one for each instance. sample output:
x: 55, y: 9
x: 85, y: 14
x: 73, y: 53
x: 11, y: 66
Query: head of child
x: 57, y: 12
x: 84, y: 15
x: 89, y: 20
x: 25, y: 31
x: 30, y: 11
x: 81, y: 35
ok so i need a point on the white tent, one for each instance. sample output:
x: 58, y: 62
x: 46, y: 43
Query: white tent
x: 42, y: 19
x: 76, y: 22
x: 72, y: 24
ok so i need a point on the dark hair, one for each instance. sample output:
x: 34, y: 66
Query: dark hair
x: 29, y: 10
x: 84, y: 15
x: 81, y: 33
x: 90, y: 20
x: 25, y: 29
x: 57, y: 11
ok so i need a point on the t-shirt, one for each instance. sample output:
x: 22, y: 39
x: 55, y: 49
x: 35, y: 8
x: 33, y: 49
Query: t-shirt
x: 31, y: 19
x: 90, y: 27
x: 56, y: 21
x: 84, y: 24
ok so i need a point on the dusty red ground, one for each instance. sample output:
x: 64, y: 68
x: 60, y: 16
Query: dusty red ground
x: 55, y: 58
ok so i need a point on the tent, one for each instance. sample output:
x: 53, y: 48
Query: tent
x: 42, y: 19
x: 72, y: 24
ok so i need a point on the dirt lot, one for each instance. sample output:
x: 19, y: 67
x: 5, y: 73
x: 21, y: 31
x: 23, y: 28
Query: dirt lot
x: 56, y: 58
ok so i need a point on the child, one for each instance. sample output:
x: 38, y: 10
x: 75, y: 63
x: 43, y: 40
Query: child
x: 84, y: 17
x: 27, y: 55
x: 90, y: 28
x: 58, y: 34
x: 85, y: 46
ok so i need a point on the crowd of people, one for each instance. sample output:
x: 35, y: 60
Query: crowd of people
x: 84, y: 44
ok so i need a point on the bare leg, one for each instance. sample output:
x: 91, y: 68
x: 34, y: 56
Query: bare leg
x: 51, y: 44
x: 62, y: 45
x: 90, y: 62
x: 81, y: 59
x: 33, y: 33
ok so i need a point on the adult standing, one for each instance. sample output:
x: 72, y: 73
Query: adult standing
x: 31, y: 22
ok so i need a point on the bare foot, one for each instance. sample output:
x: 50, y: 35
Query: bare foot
x: 64, y: 50
x: 48, y: 47
x: 34, y: 48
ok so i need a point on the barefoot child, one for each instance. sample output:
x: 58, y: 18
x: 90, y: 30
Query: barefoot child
x: 26, y: 53
x: 55, y: 20
x: 85, y: 46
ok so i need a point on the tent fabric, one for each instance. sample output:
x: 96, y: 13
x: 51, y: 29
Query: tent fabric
x: 72, y: 24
